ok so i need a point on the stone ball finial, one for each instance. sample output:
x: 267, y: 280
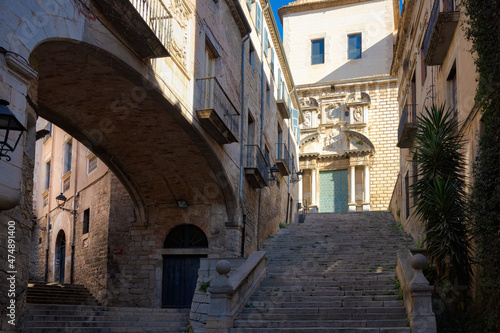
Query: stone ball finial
x: 223, y: 267
x: 418, y: 261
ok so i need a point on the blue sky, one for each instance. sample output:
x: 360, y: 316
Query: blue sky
x: 276, y: 4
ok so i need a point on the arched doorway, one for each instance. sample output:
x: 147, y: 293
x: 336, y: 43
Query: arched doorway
x: 180, y: 271
x: 60, y: 257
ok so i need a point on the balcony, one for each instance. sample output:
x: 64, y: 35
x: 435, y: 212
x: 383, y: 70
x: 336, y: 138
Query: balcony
x: 283, y: 160
x: 146, y: 25
x: 218, y: 115
x: 407, y: 126
x: 440, y: 31
x: 284, y: 101
x: 256, y: 168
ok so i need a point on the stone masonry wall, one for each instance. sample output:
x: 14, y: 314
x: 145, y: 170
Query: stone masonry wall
x: 384, y: 120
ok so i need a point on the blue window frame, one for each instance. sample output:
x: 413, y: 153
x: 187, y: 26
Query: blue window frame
x: 317, y: 51
x: 354, y: 46
x: 258, y: 14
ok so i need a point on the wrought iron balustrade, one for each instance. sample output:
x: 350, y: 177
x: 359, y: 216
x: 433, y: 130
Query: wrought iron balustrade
x: 440, y: 30
x: 407, y: 126
x: 158, y: 17
x: 283, y: 159
x: 256, y: 167
x: 218, y: 108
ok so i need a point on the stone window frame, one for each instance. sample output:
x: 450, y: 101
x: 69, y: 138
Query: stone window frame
x: 352, y: 34
x: 91, y: 157
x: 313, y: 56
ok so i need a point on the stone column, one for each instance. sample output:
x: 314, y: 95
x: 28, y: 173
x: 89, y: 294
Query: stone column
x: 366, y: 200
x: 352, y: 186
x: 300, y: 192
x: 313, y: 207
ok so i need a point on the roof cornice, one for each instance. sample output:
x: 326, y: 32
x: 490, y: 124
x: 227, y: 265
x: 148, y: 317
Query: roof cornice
x: 309, y: 5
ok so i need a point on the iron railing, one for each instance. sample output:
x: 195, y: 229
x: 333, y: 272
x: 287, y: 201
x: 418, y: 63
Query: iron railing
x: 158, y: 17
x: 283, y: 154
x: 214, y: 97
x: 409, y: 116
x: 448, y: 6
x: 256, y: 160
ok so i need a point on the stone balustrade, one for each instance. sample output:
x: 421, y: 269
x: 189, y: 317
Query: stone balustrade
x: 417, y: 291
x: 228, y: 295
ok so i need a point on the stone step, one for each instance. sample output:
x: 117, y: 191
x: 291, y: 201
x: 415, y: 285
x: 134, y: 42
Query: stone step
x: 322, y: 330
x: 320, y: 323
x: 333, y: 273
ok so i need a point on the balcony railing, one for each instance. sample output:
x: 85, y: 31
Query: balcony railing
x: 218, y: 115
x: 256, y: 167
x: 145, y: 24
x: 407, y: 126
x: 440, y: 31
x: 283, y: 159
x: 284, y: 101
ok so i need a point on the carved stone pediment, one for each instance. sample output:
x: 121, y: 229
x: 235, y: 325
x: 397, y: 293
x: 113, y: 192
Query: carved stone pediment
x: 333, y: 141
x: 355, y: 98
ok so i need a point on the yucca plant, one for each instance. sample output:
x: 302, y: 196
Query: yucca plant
x: 441, y: 201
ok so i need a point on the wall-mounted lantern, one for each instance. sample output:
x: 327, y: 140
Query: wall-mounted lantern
x: 11, y: 130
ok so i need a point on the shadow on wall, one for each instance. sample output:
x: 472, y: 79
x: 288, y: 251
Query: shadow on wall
x: 368, y: 65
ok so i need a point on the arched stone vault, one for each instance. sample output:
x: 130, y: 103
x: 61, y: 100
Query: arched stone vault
x: 153, y: 149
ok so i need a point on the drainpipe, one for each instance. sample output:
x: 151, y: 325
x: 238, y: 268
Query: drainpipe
x: 242, y: 145
x: 47, y: 217
x: 288, y: 197
x: 76, y: 196
x: 261, y: 113
x: 263, y: 78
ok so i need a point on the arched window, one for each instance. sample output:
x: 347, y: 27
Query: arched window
x: 186, y: 236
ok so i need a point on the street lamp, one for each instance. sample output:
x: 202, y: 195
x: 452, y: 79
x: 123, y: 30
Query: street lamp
x: 9, y: 126
x: 272, y: 178
x: 61, y: 199
x: 296, y: 176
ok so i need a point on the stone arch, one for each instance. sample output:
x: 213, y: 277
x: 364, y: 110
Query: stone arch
x: 185, y: 236
x: 129, y: 123
x: 60, y: 257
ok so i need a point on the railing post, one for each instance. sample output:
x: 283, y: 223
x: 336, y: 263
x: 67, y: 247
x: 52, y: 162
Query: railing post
x: 423, y: 319
x: 220, y: 319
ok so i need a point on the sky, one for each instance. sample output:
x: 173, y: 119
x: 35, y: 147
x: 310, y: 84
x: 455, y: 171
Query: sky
x: 276, y: 4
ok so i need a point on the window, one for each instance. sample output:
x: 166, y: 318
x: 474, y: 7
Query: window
x: 268, y: 95
x: 452, y: 92
x: 354, y: 46
x: 92, y: 163
x: 295, y: 124
x: 47, y: 175
x: 86, y: 221
x: 258, y: 17
x: 266, y: 155
x: 280, y: 138
x: 249, y: 4
x: 423, y: 70
x: 317, y: 51
x: 250, y: 129
x: 66, y: 184
x: 407, y: 196
x: 251, y: 56
x: 68, y: 147
x: 48, y: 127
x: 266, y: 43
x: 272, y: 62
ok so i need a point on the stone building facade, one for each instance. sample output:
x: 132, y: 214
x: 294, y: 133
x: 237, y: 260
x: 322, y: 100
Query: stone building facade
x: 341, y: 65
x: 434, y: 65
x: 188, y: 121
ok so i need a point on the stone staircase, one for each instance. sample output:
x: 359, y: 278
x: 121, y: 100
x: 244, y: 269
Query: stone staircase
x: 55, y: 308
x: 334, y: 273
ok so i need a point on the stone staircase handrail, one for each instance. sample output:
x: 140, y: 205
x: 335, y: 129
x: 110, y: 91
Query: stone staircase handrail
x: 228, y: 295
x: 417, y: 292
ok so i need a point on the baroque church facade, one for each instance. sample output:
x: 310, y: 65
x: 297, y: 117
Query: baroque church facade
x: 341, y: 66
